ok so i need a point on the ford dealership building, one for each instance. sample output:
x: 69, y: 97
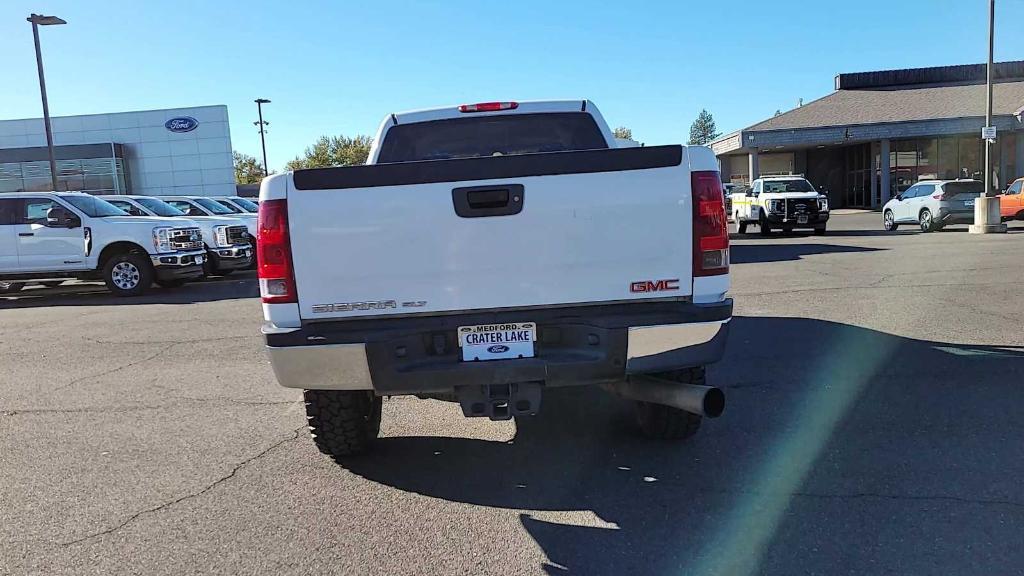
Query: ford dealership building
x: 185, y: 151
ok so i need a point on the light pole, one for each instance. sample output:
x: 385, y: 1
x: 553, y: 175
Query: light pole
x: 38, y: 20
x: 259, y: 107
x: 986, y: 207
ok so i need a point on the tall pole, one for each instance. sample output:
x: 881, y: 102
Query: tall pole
x: 46, y: 106
x: 988, y: 89
x: 986, y: 206
x: 263, y: 141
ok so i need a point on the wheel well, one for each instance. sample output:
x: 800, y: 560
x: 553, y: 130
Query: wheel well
x: 1020, y: 215
x: 922, y: 211
x: 111, y: 250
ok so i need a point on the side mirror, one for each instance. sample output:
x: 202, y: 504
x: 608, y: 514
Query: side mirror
x: 750, y: 193
x: 899, y: 197
x: 60, y: 218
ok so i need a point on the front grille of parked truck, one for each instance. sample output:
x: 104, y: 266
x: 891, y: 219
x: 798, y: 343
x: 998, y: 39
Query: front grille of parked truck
x: 186, y: 239
x: 797, y: 206
x: 238, y: 235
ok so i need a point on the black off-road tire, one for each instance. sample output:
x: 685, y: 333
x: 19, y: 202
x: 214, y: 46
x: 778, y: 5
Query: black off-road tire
x: 661, y: 422
x: 764, y: 227
x: 342, y: 422
x: 741, y: 225
x: 820, y: 231
x: 142, y: 277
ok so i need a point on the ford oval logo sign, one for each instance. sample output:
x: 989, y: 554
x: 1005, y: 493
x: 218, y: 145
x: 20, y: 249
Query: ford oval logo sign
x: 181, y: 124
x: 497, y: 349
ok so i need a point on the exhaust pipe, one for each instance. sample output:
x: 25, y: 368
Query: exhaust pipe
x: 694, y: 398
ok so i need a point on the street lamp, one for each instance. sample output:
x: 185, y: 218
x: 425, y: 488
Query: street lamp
x: 259, y: 107
x: 38, y: 20
x: 986, y: 207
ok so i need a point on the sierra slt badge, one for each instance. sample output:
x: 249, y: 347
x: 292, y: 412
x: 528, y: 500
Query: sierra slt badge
x: 350, y: 306
x: 368, y: 305
x: 181, y: 124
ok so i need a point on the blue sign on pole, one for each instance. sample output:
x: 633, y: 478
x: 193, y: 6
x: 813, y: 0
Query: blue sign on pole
x: 181, y: 124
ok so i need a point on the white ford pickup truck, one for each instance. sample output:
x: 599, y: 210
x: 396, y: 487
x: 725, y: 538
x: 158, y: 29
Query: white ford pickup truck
x: 229, y: 246
x: 47, y: 236
x: 487, y: 252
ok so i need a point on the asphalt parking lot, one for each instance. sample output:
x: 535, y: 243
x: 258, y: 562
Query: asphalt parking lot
x: 873, y: 426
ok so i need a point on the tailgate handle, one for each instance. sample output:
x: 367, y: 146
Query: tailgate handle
x: 485, y: 201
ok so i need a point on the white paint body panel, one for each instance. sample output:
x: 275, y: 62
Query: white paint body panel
x: 580, y: 238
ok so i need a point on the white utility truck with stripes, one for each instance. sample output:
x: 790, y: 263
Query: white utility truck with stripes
x: 782, y: 203
x: 487, y: 253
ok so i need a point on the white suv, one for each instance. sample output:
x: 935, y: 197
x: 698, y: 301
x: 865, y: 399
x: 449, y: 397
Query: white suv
x: 933, y: 204
x: 46, y: 236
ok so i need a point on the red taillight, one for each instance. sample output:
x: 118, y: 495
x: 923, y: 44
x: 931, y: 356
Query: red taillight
x: 710, y: 232
x: 274, y: 254
x: 488, y: 106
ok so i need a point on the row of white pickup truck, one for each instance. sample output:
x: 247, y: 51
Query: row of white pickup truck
x: 128, y: 242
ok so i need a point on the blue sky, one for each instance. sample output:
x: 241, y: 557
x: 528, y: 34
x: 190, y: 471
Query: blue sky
x: 339, y: 67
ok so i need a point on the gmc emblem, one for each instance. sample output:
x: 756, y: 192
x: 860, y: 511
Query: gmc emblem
x: 654, y: 286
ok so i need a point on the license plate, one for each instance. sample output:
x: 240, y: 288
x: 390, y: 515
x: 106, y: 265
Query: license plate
x: 801, y: 219
x: 497, y: 341
x: 969, y: 203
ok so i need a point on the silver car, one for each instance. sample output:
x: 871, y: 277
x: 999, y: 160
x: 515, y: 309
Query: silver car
x: 933, y: 204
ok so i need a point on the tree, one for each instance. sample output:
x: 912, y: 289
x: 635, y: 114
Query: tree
x: 333, y: 151
x: 702, y: 131
x: 248, y: 169
x: 623, y: 132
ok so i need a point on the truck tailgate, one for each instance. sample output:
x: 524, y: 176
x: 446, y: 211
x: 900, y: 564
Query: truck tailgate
x: 534, y: 230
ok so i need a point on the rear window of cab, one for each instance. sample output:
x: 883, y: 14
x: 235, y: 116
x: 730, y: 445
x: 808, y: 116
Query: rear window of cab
x: 505, y: 134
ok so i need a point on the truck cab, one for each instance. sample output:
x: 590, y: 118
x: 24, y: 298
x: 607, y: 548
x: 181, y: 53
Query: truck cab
x: 780, y: 202
x: 53, y: 236
x: 200, y: 206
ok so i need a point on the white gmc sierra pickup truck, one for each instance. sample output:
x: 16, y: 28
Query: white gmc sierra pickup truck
x: 487, y: 252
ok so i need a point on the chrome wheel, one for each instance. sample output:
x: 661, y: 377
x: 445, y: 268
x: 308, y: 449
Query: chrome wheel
x: 125, y: 275
x: 926, y: 221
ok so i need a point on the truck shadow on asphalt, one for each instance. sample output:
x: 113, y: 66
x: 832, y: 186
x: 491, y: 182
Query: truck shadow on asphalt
x: 842, y: 449
x: 755, y: 253
x: 91, y: 294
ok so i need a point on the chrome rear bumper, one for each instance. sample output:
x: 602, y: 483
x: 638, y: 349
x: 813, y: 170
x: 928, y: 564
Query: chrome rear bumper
x: 649, y: 349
